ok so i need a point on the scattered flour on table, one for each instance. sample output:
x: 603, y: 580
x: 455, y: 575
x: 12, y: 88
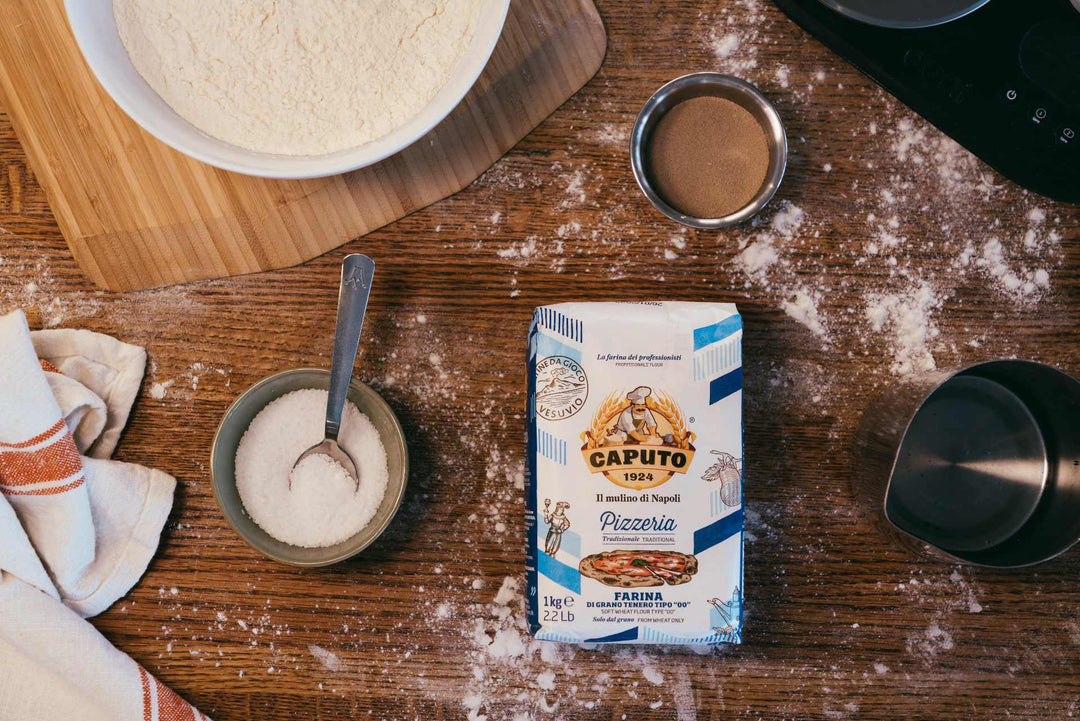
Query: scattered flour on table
x: 328, y: 659
x: 158, y: 390
x: 653, y: 675
x: 944, y: 595
x: 1072, y: 627
x: 787, y: 220
x: 734, y: 37
x: 906, y: 320
x: 683, y: 696
x: 803, y: 307
x: 899, y: 298
x: 1020, y: 283
x: 762, y: 251
x: 968, y: 590
x: 574, y: 190
x: 185, y: 384
x: 33, y: 283
x: 520, y: 251
x: 48, y: 304
x: 612, y: 134
x: 568, y: 229
x: 723, y: 47
x: 783, y: 75
x: 928, y: 644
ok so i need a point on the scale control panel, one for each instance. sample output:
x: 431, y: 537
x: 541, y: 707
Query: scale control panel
x: 1003, y: 81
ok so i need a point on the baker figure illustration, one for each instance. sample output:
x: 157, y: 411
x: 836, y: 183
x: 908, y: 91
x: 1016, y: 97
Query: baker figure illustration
x: 558, y: 523
x: 637, y: 422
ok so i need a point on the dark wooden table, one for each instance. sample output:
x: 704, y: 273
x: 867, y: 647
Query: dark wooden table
x: 840, y: 624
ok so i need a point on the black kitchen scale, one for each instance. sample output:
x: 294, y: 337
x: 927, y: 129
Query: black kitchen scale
x: 1002, y: 77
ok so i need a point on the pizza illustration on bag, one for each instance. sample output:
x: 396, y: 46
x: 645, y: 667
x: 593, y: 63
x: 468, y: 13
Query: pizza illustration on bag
x: 639, y: 569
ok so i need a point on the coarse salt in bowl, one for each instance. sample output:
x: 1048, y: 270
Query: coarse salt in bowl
x: 320, y: 546
x: 316, y: 503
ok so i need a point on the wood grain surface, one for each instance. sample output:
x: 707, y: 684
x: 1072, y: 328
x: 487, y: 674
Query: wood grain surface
x: 138, y: 214
x: 840, y: 623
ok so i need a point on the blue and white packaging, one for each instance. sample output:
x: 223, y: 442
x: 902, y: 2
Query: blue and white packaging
x: 634, y: 478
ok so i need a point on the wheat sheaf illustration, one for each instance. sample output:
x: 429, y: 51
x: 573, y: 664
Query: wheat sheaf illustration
x: 609, y: 409
x: 666, y: 406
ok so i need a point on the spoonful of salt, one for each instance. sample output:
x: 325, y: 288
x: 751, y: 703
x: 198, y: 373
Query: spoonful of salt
x: 357, y: 272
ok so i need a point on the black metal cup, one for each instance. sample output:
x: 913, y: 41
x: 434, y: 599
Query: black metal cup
x: 980, y: 465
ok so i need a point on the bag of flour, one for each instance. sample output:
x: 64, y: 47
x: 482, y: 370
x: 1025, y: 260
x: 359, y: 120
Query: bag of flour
x: 634, y: 473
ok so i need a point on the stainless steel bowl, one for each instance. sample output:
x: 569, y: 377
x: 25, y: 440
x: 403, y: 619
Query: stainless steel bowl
x: 980, y: 465
x: 721, y: 86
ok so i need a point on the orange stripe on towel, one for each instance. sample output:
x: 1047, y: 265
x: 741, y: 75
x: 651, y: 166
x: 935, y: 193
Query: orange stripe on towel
x: 47, y: 366
x: 147, y: 702
x: 54, y: 462
x: 170, y: 707
x: 38, y: 438
x: 47, y: 491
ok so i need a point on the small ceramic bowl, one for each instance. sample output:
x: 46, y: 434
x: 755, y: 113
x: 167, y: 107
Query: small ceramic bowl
x: 236, y: 421
x: 722, y: 86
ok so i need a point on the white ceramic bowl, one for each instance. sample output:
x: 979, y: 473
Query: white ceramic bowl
x: 94, y: 27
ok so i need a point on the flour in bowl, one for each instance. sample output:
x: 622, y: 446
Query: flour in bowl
x: 296, y: 78
x: 323, y: 506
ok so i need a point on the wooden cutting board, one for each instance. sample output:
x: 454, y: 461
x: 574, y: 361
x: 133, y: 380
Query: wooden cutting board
x: 137, y: 214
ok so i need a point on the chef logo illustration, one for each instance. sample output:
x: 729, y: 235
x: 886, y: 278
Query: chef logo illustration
x: 638, y: 439
x: 561, y: 387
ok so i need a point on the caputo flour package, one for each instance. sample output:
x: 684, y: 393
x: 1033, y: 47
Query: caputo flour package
x: 634, y: 473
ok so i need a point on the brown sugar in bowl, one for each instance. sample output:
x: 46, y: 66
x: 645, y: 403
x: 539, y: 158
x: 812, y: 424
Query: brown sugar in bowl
x: 708, y: 157
x: 708, y: 150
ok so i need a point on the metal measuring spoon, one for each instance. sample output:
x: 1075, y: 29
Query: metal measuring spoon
x: 357, y: 272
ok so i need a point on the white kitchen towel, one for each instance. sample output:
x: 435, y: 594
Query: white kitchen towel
x: 75, y: 532
x: 57, y: 667
x: 93, y: 524
x: 96, y: 381
x: 41, y: 474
